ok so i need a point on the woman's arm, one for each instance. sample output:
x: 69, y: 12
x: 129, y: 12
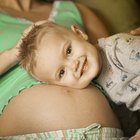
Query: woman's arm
x: 93, y: 25
x: 8, y: 59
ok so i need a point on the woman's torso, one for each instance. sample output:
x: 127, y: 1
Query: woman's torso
x: 45, y: 108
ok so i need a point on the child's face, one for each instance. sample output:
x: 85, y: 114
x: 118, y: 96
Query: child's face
x: 66, y: 58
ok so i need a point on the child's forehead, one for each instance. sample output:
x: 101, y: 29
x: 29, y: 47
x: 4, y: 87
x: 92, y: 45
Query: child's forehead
x: 46, y: 31
x: 56, y: 31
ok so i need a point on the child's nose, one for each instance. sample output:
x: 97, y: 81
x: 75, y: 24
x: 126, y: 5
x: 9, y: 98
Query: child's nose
x: 75, y: 65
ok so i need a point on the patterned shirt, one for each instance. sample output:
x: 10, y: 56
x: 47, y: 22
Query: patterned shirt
x: 120, y: 75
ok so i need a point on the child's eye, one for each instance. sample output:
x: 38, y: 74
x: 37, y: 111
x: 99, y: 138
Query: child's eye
x: 68, y: 51
x: 61, y: 73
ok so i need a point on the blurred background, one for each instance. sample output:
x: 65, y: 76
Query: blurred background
x: 118, y: 15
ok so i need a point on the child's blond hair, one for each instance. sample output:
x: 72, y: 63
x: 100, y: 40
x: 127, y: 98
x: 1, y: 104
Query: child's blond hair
x: 27, y: 51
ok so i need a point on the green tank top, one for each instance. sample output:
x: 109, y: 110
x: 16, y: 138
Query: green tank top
x: 16, y: 79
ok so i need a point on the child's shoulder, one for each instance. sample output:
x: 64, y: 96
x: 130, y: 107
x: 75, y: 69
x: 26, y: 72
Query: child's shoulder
x: 121, y: 37
x: 124, y: 38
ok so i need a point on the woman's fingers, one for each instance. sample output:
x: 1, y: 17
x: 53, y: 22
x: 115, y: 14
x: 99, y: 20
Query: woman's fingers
x: 135, y: 31
x: 28, y: 29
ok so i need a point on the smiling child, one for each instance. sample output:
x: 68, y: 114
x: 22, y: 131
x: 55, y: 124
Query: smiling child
x: 63, y: 56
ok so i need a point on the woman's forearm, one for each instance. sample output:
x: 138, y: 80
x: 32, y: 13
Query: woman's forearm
x: 8, y: 59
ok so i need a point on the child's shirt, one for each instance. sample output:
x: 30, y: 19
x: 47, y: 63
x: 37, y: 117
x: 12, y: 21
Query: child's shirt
x: 120, y: 75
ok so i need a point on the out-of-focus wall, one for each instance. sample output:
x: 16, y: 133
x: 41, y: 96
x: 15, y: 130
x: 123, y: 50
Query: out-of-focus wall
x: 118, y: 15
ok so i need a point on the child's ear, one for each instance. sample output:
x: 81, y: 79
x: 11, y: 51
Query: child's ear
x: 79, y: 32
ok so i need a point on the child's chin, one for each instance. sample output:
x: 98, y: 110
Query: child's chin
x: 84, y: 85
x: 79, y: 86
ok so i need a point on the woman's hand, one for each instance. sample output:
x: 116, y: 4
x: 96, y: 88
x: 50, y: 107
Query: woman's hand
x: 27, y: 30
x: 9, y: 57
x: 24, y: 35
x: 135, y: 31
